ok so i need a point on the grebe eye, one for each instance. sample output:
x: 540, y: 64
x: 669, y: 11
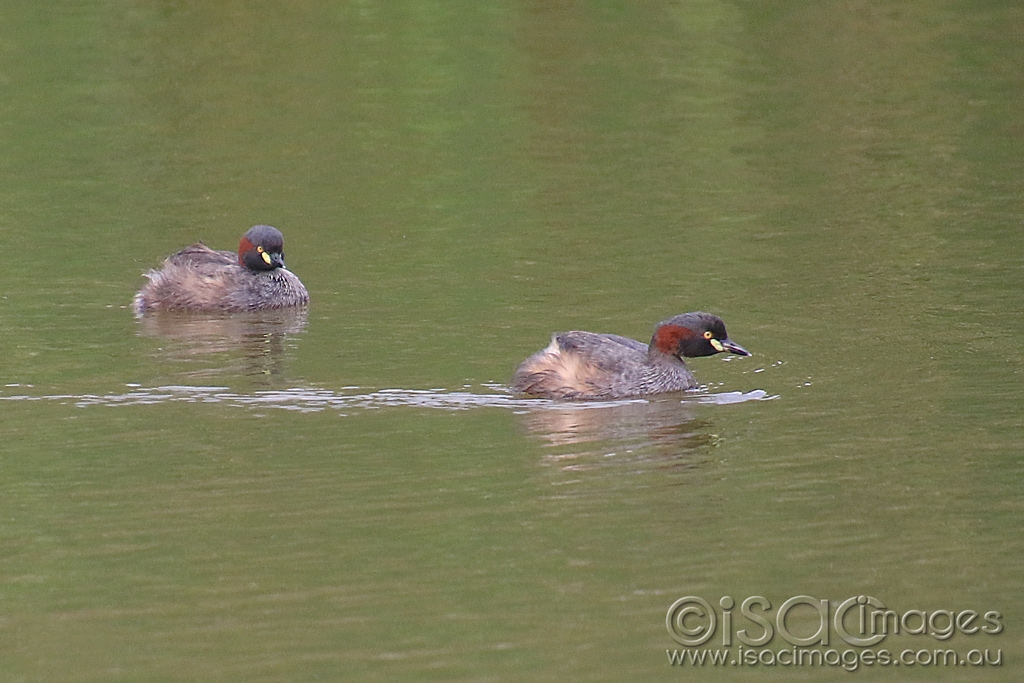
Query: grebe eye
x: 259, y: 250
x: 708, y: 334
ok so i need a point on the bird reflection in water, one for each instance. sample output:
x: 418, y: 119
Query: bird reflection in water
x: 251, y: 343
x: 652, y: 433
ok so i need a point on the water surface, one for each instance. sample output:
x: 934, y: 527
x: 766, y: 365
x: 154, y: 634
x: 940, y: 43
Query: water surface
x: 350, y: 492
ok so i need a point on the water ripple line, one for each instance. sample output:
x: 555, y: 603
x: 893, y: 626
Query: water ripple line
x: 308, y: 400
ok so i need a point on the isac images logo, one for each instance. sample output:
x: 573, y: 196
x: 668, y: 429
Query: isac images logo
x: 809, y: 627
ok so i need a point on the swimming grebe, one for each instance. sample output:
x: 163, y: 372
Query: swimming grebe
x: 587, y: 365
x: 198, y: 278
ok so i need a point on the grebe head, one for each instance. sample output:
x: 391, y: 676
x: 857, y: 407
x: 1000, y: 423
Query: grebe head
x: 262, y: 248
x: 694, y: 334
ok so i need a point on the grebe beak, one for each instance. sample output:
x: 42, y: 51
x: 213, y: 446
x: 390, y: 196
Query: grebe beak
x: 730, y: 346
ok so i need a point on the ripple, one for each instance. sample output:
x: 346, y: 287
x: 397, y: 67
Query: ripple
x: 316, y: 400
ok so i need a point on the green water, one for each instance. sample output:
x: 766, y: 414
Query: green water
x: 352, y: 494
